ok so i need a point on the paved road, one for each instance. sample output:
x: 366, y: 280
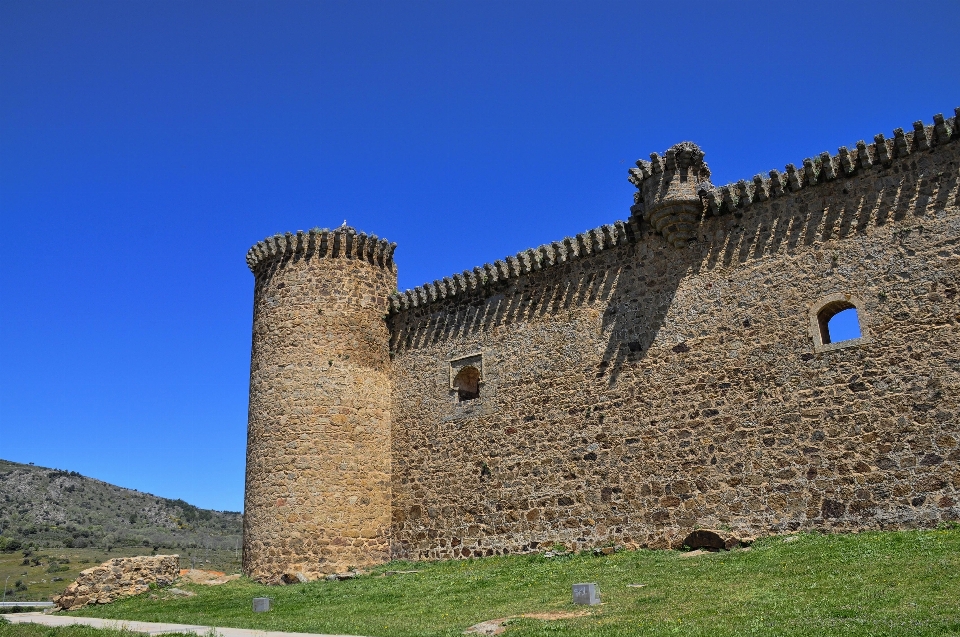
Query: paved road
x: 151, y: 628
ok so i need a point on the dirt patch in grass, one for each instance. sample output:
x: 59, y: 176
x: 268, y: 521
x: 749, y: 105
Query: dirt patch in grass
x: 207, y: 578
x: 498, y: 626
x: 555, y: 615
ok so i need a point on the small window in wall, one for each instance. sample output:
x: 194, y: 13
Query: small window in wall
x: 842, y: 326
x: 836, y: 322
x: 466, y: 377
x: 467, y: 383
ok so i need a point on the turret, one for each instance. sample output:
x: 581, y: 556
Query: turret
x: 668, y: 191
x: 317, y: 496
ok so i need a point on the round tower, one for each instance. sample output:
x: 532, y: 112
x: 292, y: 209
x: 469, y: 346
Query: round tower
x: 317, y: 496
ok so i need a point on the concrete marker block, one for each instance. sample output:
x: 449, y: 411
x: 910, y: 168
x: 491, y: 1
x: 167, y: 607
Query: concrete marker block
x: 586, y: 594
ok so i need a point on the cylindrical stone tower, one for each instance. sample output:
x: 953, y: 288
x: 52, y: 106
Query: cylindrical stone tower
x: 318, y: 494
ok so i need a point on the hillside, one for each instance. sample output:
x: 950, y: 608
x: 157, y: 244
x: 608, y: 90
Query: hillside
x: 54, y: 508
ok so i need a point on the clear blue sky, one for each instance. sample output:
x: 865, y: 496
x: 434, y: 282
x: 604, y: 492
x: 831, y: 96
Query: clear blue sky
x: 145, y: 145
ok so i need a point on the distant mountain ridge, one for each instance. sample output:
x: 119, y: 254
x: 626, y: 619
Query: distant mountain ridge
x: 53, y: 508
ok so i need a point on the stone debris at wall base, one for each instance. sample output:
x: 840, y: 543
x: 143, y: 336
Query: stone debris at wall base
x: 119, y: 577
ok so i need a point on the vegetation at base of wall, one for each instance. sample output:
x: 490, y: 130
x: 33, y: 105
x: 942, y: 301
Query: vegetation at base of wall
x: 50, y: 508
x: 876, y: 583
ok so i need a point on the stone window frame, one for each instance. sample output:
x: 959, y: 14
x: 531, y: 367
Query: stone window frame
x: 817, y: 326
x: 456, y: 364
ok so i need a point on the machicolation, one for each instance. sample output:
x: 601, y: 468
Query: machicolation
x: 628, y: 385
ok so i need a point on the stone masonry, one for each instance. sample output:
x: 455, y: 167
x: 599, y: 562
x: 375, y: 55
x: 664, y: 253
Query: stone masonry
x: 318, y: 454
x: 624, y: 386
x: 119, y: 577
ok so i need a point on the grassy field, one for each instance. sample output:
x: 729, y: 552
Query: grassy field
x: 34, y: 630
x: 870, y: 584
x: 39, y: 579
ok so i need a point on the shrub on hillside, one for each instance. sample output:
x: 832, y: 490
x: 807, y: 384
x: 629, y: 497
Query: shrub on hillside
x: 9, y: 545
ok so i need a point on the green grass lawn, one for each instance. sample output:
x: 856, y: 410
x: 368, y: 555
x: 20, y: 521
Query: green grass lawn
x: 892, y: 583
x: 35, y: 630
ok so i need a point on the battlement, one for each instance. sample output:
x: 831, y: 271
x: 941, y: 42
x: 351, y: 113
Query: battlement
x: 343, y: 243
x: 531, y: 260
x: 735, y: 197
x: 675, y: 195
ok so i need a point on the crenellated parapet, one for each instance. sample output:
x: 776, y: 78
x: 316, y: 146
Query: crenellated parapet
x: 341, y: 243
x: 660, y: 181
x: 824, y: 168
x: 674, y: 196
x: 523, y: 263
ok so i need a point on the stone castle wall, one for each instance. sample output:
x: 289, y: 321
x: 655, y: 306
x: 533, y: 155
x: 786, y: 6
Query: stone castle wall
x: 318, y: 453
x: 634, y: 393
x: 641, y: 379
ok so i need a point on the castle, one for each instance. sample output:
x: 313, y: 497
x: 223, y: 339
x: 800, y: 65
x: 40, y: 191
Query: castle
x: 624, y: 386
